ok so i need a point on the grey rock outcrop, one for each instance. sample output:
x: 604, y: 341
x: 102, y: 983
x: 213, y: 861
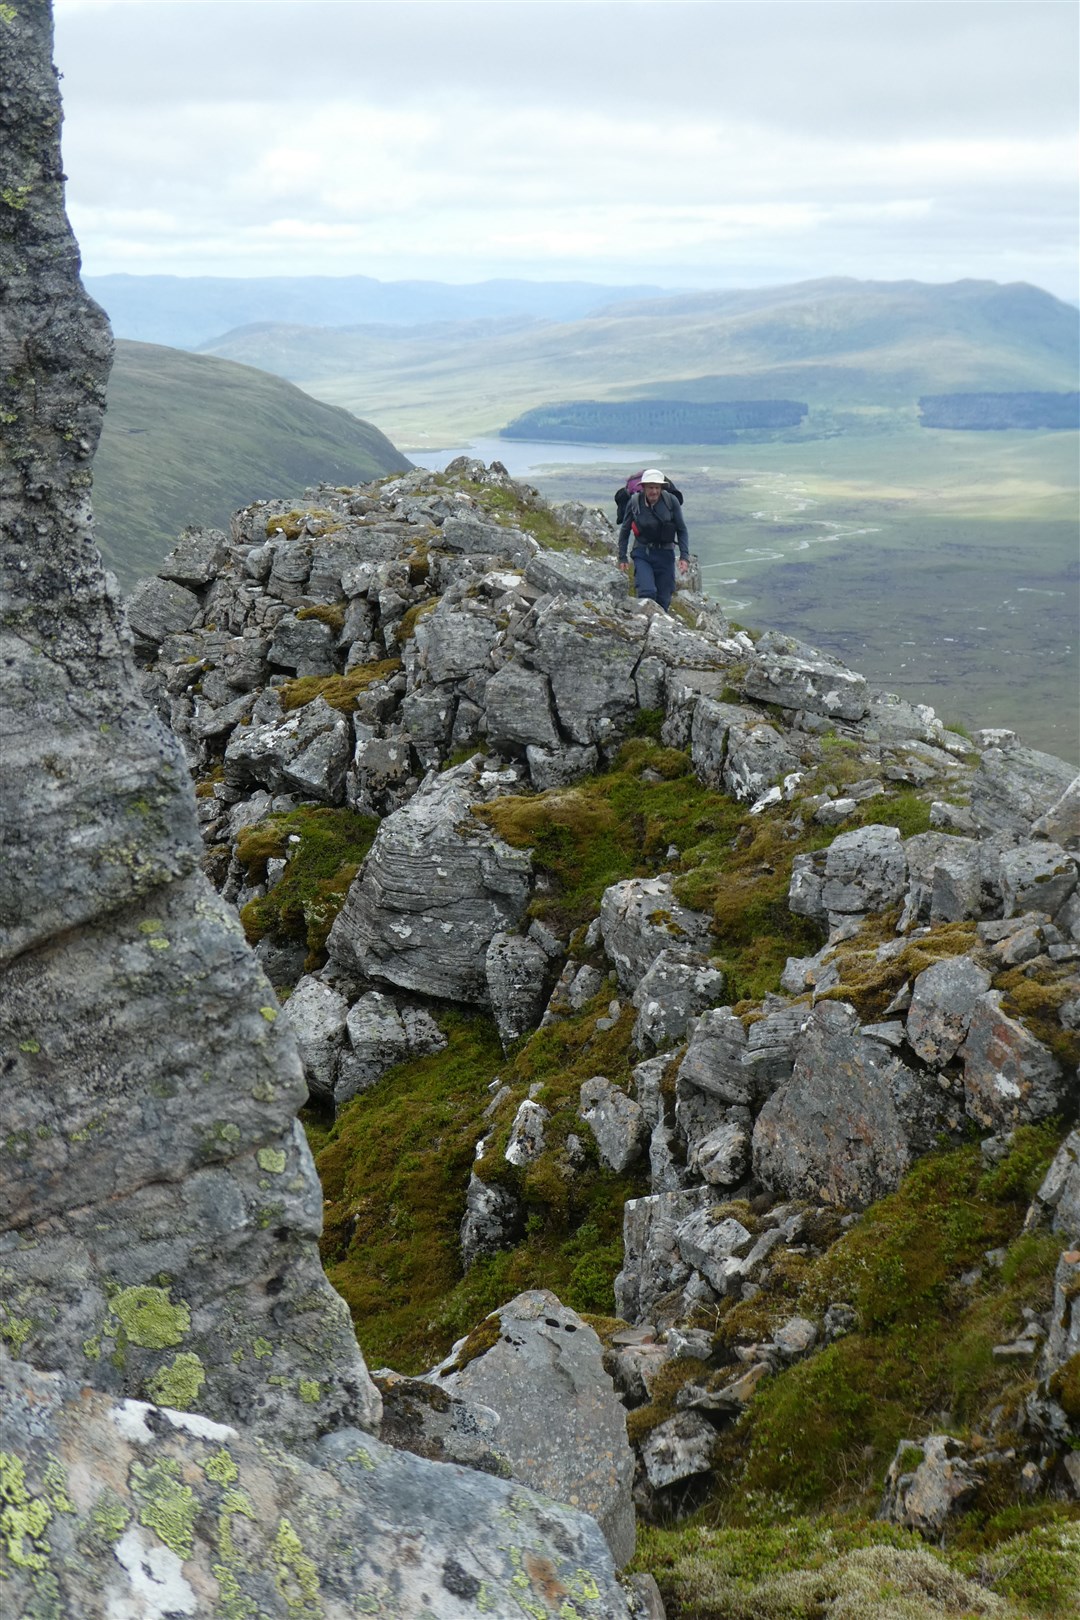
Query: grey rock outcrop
x: 851, y: 1119
x: 927, y: 1483
x: 561, y: 1428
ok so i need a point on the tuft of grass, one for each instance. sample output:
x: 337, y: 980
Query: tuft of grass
x: 806, y: 1568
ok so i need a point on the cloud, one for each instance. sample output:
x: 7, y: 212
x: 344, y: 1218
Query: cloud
x: 702, y: 142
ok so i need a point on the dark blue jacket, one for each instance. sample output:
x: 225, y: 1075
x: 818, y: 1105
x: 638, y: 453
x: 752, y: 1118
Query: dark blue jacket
x: 648, y: 518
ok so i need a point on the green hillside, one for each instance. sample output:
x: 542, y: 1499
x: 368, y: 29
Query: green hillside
x: 835, y: 344
x: 189, y: 438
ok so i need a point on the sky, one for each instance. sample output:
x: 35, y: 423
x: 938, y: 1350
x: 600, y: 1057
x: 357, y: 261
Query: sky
x: 707, y: 144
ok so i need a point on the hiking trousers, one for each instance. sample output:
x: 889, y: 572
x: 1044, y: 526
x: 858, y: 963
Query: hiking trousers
x: 654, y: 573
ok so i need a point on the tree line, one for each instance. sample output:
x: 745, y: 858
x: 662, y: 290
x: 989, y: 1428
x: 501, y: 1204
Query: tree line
x: 982, y: 412
x: 658, y: 421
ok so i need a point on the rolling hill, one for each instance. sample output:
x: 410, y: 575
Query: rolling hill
x: 189, y: 438
x: 185, y: 311
x: 836, y: 344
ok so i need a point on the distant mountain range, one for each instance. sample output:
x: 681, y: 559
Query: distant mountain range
x: 186, y: 311
x: 189, y: 438
x: 835, y: 344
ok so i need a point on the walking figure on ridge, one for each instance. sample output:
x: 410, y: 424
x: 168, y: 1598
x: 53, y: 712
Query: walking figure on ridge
x: 653, y: 516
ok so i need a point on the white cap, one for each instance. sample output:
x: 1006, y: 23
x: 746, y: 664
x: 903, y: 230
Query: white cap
x: 652, y: 475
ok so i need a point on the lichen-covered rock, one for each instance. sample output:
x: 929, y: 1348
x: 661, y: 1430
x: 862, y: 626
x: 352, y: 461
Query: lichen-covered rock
x: 159, y: 1211
x: 436, y: 887
x: 561, y: 1426
x: 1010, y: 1078
x: 711, y: 1245
x: 677, y: 1450
x: 121, y: 1508
x: 527, y: 1140
x: 571, y: 574
x: 927, y: 1483
x: 943, y: 998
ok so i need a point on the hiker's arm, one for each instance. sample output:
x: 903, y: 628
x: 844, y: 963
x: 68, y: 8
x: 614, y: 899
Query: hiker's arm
x: 681, y: 532
x: 624, y: 535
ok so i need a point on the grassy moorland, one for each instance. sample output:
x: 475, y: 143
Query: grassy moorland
x: 188, y: 439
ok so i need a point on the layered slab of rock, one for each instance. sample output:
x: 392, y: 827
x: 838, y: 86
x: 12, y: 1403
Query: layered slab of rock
x: 435, y: 889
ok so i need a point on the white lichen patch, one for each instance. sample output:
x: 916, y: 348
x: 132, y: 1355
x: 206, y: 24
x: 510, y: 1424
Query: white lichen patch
x: 156, y: 1588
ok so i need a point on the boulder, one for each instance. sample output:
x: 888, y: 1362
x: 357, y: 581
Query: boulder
x: 316, y: 1014
x: 430, y: 1422
x: 1036, y: 877
x: 928, y: 1482
x: 492, y: 1221
x: 851, y: 1119
x: 377, y: 1039
x: 518, y: 975
x: 787, y: 672
x: 711, y: 722
x: 589, y: 657
x: 653, y: 1266
x: 943, y: 998
x: 558, y: 767
x: 453, y: 642
x: 436, y: 887
x: 158, y: 607
x: 561, y: 1428
x: 305, y: 646
x: 196, y: 559
x: 945, y: 879
x: 679, y: 985
x: 569, y: 573
x: 641, y: 918
x: 617, y: 1122
x: 1058, y: 1198
x: 757, y: 755
x: 677, y: 1450
x: 307, y: 751
x: 722, y: 1157
x: 710, y: 1245
x: 1014, y: 786
x: 527, y: 1140
x: 519, y: 714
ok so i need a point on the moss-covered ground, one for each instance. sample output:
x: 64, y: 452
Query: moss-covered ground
x: 324, y: 849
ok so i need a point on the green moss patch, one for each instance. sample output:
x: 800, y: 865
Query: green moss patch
x: 395, y: 1170
x: 306, y: 899
x: 822, y: 1433
x: 339, y: 691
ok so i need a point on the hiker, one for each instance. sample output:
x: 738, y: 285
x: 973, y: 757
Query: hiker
x: 654, y: 518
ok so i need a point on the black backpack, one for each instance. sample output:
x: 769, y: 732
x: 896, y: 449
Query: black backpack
x: 631, y: 487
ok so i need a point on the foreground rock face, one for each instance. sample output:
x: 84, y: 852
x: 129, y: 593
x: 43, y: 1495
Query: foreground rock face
x: 121, y: 1508
x: 148, y: 1239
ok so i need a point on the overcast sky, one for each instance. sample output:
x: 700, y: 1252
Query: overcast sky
x: 689, y: 144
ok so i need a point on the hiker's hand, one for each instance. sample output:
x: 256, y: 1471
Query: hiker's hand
x: 684, y: 566
x: 625, y: 566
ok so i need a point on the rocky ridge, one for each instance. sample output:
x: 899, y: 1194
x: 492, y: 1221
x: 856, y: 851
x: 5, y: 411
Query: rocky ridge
x: 411, y: 653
